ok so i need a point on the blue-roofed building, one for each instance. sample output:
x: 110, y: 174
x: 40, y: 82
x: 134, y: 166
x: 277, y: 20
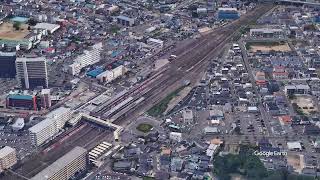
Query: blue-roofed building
x: 228, y: 14
x: 94, y: 73
x: 20, y: 101
x: 317, y: 19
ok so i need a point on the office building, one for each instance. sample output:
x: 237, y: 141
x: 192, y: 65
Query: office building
x: 50, y: 127
x: 89, y: 57
x: 21, y: 101
x: 32, y: 72
x: 8, y: 158
x: 8, y: 64
x: 66, y: 166
x: 125, y: 21
x: 45, y: 98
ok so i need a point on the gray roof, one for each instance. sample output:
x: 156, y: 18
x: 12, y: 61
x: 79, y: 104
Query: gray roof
x: 60, y: 163
x: 41, y: 125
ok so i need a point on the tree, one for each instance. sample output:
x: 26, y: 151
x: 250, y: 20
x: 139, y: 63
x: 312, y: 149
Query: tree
x: 17, y: 26
x: 32, y: 22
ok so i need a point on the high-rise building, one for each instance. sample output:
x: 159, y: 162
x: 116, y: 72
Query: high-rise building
x: 66, y: 166
x: 50, y: 127
x: 8, y: 158
x: 45, y: 98
x: 32, y: 72
x: 7, y: 64
x: 62, y: 115
x: 43, y: 131
x: 88, y: 57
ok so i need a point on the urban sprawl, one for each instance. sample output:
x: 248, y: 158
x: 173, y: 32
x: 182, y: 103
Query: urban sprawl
x: 159, y: 89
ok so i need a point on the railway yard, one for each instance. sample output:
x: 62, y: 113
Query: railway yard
x: 161, y: 90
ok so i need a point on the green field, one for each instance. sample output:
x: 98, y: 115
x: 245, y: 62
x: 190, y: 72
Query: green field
x: 143, y: 127
x: 160, y: 108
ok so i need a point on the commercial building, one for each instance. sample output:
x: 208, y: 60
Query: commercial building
x: 110, y: 75
x: 267, y: 33
x: 8, y: 64
x: 280, y: 73
x: 260, y: 78
x: 88, y: 57
x: 155, y: 43
x: 65, y: 167
x: 125, y: 21
x: 175, y: 136
x: 297, y: 89
x: 18, y: 124
x: 8, y: 158
x: 20, y: 101
x: 187, y: 116
x: 50, y: 127
x: 45, y: 98
x: 32, y: 72
x: 228, y: 13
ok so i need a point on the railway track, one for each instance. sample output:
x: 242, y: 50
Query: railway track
x: 188, y: 64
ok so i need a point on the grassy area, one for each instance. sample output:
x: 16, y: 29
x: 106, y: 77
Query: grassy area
x: 160, y: 108
x: 114, y: 29
x: 143, y: 127
x: 265, y: 43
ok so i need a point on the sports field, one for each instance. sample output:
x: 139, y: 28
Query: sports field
x: 7, y: 31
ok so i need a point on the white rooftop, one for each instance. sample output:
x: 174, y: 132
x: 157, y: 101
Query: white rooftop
x: 57, y: 112
x: 41, y: 125
x: 60, y: 163
x: 294, y: 145
x: 47, y: 26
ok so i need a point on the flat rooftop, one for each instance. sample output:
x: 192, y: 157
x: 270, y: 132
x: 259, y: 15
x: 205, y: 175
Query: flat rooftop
x: 60, y: 163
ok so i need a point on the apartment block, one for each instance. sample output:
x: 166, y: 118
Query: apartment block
x: 8, y: 158
x: 66, y: 166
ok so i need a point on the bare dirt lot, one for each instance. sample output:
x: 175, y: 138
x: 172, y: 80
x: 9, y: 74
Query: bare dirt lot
x: 268, y: 46
x: 7, y: 31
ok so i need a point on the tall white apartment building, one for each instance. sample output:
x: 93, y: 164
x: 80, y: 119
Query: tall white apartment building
x: 65, y: 167
x: 8, y: 158
x: 88, y: 57
x: 32, y: 72
x: 50, y: 127
x: 62, y: 115
x: 43, y: 131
